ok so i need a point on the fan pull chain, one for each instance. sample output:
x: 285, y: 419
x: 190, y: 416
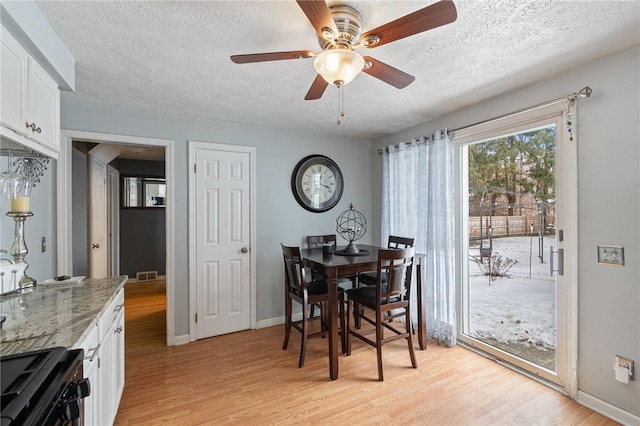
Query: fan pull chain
x: 341, y: 112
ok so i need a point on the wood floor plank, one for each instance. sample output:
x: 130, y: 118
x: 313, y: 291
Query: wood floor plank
x: 246, y: 378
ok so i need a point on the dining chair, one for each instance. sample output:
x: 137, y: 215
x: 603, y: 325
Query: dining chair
x: 394, y: 242
x: 384, y: 297
x: 317, y: 241
x: 370, y: 278
x: 307, y: 294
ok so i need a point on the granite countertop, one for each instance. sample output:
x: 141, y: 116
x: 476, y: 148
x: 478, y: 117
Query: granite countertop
x: 54, y: 315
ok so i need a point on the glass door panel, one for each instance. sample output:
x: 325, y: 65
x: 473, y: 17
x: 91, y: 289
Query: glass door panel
x: 511, y: 305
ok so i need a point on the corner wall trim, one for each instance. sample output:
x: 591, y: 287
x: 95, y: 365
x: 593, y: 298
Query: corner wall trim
x: 606, y: 409
x: 181, y: 340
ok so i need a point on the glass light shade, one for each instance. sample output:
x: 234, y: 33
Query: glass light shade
x: 338, y: 66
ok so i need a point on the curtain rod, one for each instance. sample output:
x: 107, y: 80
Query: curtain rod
x: 585, y: 92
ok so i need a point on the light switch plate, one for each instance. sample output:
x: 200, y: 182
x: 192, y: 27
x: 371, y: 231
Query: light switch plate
x: 626, y: 364
x: 611, y: 255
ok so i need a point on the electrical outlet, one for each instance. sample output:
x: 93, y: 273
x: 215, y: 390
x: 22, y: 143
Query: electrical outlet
x: 625, y: 363
x: 611, y: 255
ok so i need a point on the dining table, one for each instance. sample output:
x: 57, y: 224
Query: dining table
x: 335, y: 265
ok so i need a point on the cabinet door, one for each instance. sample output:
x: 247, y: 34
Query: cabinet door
x: 106, y: 377
x: 118, y: 354
x: 44, y: 104
x: 92, y: 402
x: 13, y: 84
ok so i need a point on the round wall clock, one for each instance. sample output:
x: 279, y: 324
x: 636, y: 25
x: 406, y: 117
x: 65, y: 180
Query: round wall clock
x: 317, y: 183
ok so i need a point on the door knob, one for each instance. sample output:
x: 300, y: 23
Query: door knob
x: 95, y: 246
x: 244, y: 250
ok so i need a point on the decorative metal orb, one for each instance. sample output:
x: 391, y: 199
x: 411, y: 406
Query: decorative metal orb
x: 351, y: 225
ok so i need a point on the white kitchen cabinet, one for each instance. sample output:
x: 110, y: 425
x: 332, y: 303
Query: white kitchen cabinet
x: 106, y: 378
x: 30, y: 108
x: 104, y: 364
x: 91, y: 347
x: 118, y: 353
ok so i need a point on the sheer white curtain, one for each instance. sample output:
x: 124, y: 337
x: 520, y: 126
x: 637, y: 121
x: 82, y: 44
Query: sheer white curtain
x: 417, y: 201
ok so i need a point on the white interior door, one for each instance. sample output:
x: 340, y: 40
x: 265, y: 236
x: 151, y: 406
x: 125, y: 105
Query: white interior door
x: 113, y: 222
x: 97, y: 218
x: 223, y: 240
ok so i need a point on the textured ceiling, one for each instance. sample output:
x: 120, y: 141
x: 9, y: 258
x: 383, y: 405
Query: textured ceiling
x: 173, y: 57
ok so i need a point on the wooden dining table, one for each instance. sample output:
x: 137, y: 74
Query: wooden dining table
x: 335, y: 266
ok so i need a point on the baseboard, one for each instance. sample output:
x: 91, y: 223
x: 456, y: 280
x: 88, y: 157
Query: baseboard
x: 181, y: 340
x: 606, y: 409
x: 277, y: 321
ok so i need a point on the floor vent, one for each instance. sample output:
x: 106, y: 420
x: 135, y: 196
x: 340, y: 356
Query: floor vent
x: 147, y: 276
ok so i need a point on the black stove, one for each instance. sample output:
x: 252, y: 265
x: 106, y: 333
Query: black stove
x: 43, y: 387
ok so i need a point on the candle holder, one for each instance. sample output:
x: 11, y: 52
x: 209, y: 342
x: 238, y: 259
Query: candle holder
x: 19, y: 248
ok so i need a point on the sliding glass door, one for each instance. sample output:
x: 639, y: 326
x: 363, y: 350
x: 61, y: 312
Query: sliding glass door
x: 513, y: 302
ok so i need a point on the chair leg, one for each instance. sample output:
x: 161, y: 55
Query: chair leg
x: 343, y: 332
x: 305, y: 332
x: 348, y: 330
x: 324, y: 317
x: 412, y: 353
x: 379, y: 336
x: 287, y: 323
x: 357, y: 311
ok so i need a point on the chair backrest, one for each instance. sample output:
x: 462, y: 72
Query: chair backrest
x: 293, y: 270
x: 396, y: 242
x: 316, y: 241
x: 398, y: 266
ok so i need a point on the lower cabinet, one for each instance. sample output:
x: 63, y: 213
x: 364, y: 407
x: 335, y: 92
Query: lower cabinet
x: 104, y: 365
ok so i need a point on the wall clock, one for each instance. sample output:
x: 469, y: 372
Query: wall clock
x: 317, y: 183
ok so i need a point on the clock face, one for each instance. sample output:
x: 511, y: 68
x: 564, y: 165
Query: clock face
x: 317, y: 183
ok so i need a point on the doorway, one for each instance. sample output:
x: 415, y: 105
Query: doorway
x: 65, y: 211
x: 516, y: 228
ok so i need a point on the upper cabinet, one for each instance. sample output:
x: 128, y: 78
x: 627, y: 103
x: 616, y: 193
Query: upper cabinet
x: 30, y: 109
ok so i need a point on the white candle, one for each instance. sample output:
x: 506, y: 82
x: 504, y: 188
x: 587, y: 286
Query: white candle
x: 20, y: 204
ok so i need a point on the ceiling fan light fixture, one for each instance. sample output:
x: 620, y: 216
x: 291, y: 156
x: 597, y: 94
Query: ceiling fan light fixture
x: 338, y: 66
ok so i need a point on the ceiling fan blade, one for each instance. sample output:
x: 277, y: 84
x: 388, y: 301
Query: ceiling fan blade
x: 387, y: 73
x: 317, y: 89
x: 271, y: 56
x: 318, y: 14
x: 436, y: 15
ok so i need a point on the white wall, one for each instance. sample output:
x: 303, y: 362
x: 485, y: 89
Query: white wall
x: 279, y: 218
x: 608, y: 211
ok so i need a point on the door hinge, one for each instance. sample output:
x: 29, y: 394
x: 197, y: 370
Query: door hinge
x: 195, y: 166
x: 196, y: 317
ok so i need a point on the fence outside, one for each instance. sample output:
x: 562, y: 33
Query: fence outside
x: 503, y: 226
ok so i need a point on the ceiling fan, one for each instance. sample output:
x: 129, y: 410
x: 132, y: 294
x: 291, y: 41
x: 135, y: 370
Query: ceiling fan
x: 339, y: 34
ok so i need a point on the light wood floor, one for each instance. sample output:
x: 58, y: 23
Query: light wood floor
x: 246, y: 378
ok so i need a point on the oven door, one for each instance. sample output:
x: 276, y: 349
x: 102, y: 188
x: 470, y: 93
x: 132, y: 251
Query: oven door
x: 51, y: 395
